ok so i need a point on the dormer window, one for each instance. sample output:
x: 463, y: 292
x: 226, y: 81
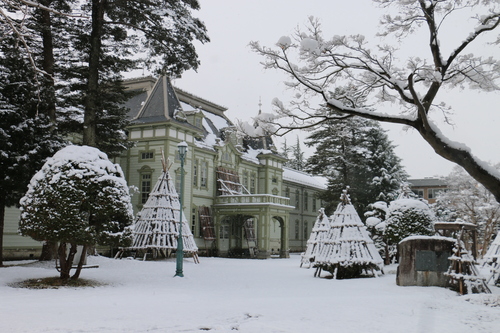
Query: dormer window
x: 197, y: 122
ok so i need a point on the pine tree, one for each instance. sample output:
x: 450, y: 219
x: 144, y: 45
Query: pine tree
x: 84, y: 55
x: 383, y: 165
x: 73, y: 65
x: 27, y: 134
x: 297, y: 160
x: 285, y: 151
x: 355, y: 152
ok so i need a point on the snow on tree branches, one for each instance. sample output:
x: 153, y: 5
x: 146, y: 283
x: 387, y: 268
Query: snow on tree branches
x: 318, y: 66
x: 79, y: 198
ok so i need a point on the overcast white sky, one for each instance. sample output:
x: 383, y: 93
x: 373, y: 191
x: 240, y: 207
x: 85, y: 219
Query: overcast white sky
x: 231, y: 74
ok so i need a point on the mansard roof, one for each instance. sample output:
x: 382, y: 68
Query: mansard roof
x: 157, y: 100
x: 160, y: 104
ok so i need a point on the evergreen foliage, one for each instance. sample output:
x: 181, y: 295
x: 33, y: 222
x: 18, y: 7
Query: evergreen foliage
x: 27, y: 134
x: 390, y: 223
x: 295, y: 156
x: 355, y: 152
x: 62, y: 66
x: 408, y: 217
x: 79, y: 198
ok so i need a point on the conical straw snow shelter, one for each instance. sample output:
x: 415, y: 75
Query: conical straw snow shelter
x: 156, y: 229
x: 492, y: 258
x: 347, y: 250
x: 316, y: 239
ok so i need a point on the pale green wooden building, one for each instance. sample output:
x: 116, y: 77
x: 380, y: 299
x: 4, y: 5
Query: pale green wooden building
x: 238, y: 197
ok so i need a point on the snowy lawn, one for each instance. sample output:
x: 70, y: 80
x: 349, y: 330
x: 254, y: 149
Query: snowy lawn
x: 228, y: 295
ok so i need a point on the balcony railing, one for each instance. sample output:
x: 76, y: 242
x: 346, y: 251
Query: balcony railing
x: 253, y: 199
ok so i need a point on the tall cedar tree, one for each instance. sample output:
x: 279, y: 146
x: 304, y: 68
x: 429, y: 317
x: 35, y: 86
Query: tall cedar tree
x: 297, y: 160
x: 27, y: 134
x: 355, y: 153
x: 163, y: 30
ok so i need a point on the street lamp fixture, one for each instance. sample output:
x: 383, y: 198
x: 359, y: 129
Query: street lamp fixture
x: 183, y: 148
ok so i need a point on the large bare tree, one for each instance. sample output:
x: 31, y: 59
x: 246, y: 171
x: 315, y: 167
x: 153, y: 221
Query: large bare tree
x: 318, y: 66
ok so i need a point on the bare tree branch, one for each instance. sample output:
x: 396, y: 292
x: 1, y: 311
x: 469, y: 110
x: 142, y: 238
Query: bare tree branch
x: 320, y: 66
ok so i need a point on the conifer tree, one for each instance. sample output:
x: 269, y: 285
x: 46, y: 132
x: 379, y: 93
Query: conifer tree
x: 355, y: 152
x: 27, y: 134
x: 75, y: 54
x: 77, y: 198
x: 297, y: 160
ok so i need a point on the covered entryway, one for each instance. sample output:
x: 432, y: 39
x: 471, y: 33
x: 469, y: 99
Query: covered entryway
x: 269, y: 215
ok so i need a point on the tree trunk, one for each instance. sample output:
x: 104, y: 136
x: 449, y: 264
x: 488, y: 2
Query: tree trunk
x: 80, y: 263
x: 2, y: 219
x: 48, y: 61
x: 49, y: 251
x: 387, y: 259
x: 66, y: 260
x: 91, y: 100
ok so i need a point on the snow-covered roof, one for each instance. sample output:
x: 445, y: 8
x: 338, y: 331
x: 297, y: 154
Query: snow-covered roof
x: 155, y: 106
x: 426, y: 182
x: 304, y: 178
x: 218, y: 121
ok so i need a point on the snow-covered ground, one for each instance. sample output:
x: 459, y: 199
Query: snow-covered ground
x: 229, y: 295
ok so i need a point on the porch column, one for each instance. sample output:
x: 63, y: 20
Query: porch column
x: 285, y: 246
x: 263, y: 241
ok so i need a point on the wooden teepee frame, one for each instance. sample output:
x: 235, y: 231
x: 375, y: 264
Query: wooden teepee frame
x: 463, y: 274
x: 492, y: 259
x: 156, y: 229
x: 317, y: 238
x: 347, y: 249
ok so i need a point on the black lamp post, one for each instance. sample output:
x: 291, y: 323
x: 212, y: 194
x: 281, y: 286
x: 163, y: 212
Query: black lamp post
x: 183, y: 148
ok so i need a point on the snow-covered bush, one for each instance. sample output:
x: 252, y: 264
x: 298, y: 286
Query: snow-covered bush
x: 78, y: 198
x: 407, y: 217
